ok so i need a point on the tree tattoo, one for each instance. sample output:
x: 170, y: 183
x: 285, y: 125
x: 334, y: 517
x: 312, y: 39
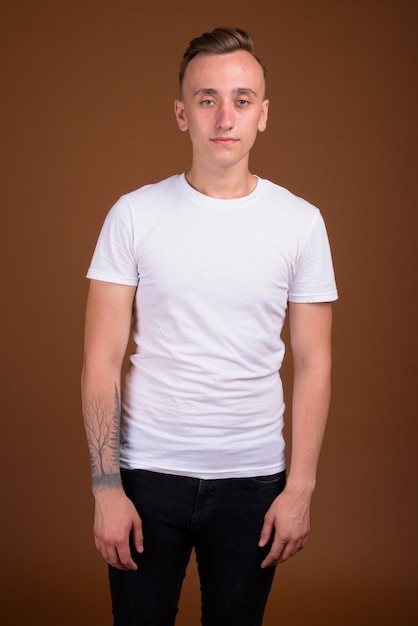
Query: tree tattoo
x: 103, y: 438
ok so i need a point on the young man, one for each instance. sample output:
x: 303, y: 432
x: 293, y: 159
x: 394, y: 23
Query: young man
x: 191, y: 453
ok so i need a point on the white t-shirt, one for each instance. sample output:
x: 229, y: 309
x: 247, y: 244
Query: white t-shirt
x: 203, y: 396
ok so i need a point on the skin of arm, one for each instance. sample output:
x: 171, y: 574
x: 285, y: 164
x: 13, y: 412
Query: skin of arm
x: 107, y: 329
x: 289, y: 515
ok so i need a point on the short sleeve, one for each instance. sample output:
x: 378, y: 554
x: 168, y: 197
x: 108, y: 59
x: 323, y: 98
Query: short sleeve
x: 314, y: 279
x: 113, y: 258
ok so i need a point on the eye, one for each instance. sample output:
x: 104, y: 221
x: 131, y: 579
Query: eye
x: 242, y: 102
x: 207, y: 101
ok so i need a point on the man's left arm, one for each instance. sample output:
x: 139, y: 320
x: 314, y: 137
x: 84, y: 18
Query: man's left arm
x: 289, y: 515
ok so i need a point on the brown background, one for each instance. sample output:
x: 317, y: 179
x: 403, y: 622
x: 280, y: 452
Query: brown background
x: 87, y: 91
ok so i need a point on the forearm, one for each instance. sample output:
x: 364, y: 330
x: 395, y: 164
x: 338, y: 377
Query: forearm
x: 108, y: 322
x: 101, y: 412
x: 310, y: 406
x: 289, y: 515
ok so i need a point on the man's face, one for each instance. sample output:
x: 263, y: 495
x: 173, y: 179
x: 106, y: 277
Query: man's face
x: 222, y: 107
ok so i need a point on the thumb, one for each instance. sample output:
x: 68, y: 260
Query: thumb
x: 266, y: 531
x: 137, y: 534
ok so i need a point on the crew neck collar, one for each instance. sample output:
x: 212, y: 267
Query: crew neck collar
x: 211, y: 201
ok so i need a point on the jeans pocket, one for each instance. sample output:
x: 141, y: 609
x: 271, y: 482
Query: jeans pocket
x: 269, y: 480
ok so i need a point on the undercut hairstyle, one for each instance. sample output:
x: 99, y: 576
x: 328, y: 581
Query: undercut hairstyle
x: 220, y: 41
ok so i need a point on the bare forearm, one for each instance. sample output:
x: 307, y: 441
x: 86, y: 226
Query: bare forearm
x: 311, y: 399
x: 289, y: 515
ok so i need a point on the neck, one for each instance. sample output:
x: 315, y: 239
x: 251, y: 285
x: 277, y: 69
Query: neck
x: 221, y: 184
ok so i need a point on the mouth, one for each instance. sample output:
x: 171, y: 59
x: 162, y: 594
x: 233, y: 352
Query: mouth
x: 224, y: 141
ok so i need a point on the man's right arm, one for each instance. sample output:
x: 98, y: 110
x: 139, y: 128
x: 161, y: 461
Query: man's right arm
x: 107, y: 329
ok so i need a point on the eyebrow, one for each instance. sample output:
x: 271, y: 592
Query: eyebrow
x: 213, y: 92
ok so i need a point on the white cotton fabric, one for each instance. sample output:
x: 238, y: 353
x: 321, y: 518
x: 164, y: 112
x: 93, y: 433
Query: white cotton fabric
x: 203, y: 396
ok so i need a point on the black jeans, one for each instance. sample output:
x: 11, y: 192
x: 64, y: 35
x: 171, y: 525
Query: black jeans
x: 221, y: 519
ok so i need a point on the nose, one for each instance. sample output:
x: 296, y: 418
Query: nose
x: 225, y: 117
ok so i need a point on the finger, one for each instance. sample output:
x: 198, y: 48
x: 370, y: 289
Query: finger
x: 283, y: 551
x: 289, y: 550
x: 117, y: 555
x: 266, y: 532
x: 137, y: 536
x: 110, y: 555
x: 125, y: 557
x: 275, y: 555
x: 114, y: 560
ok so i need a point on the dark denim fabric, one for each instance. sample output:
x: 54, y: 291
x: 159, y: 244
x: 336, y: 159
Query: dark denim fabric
x: 222, y: 520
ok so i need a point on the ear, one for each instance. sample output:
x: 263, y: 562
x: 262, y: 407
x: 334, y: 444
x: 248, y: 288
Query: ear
x: 264, y: 115
x: 180, y: 114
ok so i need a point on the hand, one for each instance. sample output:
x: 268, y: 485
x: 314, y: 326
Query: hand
x: 288, y: 517
x: 115, y: 521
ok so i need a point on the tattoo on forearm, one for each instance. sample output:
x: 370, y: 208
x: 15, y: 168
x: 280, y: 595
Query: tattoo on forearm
x: 103, y: 438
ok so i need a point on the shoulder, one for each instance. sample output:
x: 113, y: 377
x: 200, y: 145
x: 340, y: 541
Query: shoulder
x: 150, y: 199
x: 285, y: 199
x: 152, y: 192
x: 295, y: 216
